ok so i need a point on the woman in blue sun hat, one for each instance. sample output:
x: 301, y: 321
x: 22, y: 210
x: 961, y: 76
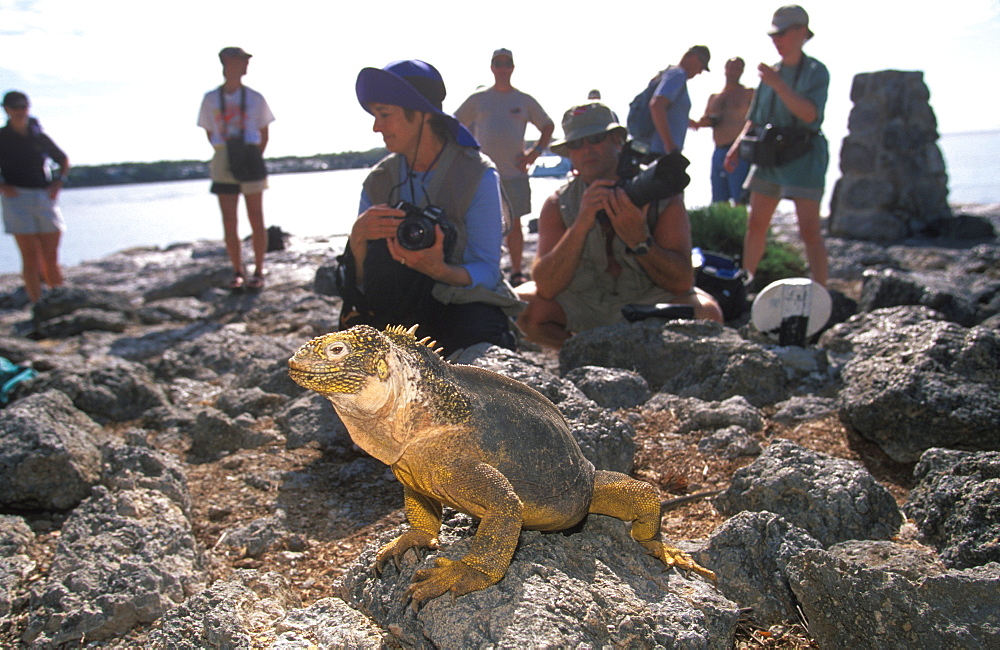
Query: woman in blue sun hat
x: 452, y: 288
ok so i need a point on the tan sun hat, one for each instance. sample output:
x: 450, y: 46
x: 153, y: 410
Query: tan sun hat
x: 586, y: 119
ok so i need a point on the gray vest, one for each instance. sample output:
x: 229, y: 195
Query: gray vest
x: 591, y: 275
x: 458, y: 173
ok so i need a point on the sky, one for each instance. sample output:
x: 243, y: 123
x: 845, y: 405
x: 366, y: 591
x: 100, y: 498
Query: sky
x: 122, y: 81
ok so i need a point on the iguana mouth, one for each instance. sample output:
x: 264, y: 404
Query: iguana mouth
x: 333, y: 381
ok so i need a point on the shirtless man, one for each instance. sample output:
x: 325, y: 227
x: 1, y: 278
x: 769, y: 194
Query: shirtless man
x: 726, y: 113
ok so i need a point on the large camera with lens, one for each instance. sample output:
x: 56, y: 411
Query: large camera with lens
x: 416, y: 230
x: 646, y: 177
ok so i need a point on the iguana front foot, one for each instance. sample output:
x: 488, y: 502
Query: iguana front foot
x: 417, y: 540
x: 448, y: 575
x: 674, y: 557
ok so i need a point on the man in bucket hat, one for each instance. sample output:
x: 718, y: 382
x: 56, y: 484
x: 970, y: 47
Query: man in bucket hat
x: 449, y: 285
x: 589, y: 265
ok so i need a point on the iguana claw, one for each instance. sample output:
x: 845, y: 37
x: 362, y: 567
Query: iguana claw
x: 413, y: 539
x: 674, y: 557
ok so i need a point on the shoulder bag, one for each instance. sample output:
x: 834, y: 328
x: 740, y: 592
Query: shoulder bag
x: 773, y: 146
x: 246, y: 162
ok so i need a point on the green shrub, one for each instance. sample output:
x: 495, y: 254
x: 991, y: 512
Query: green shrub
x: 720, y: 228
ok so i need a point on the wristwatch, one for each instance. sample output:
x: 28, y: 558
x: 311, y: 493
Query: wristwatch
x: 641, y: 248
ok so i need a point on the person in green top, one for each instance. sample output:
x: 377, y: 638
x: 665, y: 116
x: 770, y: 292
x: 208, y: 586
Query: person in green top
x: 791, y: 93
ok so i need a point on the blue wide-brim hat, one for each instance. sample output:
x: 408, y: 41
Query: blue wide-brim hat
x: 412, y: 84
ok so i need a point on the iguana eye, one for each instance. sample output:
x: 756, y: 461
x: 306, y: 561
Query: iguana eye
x: 337, y: 349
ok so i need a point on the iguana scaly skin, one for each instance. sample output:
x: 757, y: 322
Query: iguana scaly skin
x: 475, y: 441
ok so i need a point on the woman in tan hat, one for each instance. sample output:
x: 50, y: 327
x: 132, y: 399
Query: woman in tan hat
x: 792, y: 93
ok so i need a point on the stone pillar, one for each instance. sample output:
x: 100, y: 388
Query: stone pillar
x: 894, y: 182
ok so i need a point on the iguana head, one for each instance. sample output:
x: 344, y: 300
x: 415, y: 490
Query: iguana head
x: 341, y: 362
x: 385, y: 386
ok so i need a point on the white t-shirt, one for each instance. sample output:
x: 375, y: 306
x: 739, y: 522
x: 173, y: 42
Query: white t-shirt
x: 498, y: 121
x: 258, y: 116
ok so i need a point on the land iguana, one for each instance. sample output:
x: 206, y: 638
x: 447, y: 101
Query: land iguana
x: 475, y: 441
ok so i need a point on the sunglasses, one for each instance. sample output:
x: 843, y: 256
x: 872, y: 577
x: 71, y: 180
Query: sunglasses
x: 16, y: 107
x: 590, y: 139
x: 503, y: 64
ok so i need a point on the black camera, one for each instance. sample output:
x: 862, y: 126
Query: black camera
x: 416, y: 230
x: 646, y: 177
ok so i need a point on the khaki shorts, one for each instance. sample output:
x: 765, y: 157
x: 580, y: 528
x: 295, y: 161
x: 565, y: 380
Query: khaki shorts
x: 518, y: 193
x: 31, y: 212
x: 218, y: 171
x: 775, y: 191
x: 584, y: 311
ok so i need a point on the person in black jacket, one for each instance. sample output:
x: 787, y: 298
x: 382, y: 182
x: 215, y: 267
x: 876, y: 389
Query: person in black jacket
x: 28, y: 193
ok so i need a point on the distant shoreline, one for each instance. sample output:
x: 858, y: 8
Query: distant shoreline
x: 184, y: 170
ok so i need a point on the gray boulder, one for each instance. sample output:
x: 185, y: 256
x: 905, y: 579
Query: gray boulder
x: 511, y: 364
x: 173, y: 310
x: 913, y: 562
x: 214, y: 434
x: 866, y: 329
x: 128, y: 467
x: 258, y: 536
x: 229, y: 614
x: 247, y: 608
x: 63, y: 301
x: 113, y: 390
x: 804, y: 407
x: 849, y: 604
x: 749, y: 553
x: 123, y: 558
x: 252, y: 401
x: 688, y: 358
x: 327, y: 623
x: 942, y: 293
x: 593, y: 588
x: 80, y: 321
x: 15, y: 565
x: 249, y: 358
x: 832, y: 499
x: 729, y: 443
x: 932, y: 384
x: 955, y: 505
x: 699, y: 415
x: 612, y: 388
x: 311, y: 418
x: 49, y: 455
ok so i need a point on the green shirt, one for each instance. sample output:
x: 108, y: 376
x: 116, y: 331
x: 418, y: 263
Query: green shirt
x: 767, y: 108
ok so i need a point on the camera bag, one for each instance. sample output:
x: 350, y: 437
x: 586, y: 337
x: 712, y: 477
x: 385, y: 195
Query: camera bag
x: 724, y: 279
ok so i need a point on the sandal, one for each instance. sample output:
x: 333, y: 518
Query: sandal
x: 237, y: 282
x: 518, y: 279
x: 256, y: 282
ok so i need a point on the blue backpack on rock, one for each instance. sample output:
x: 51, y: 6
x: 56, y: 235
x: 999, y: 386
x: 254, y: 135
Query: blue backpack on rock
x: 10, y: 376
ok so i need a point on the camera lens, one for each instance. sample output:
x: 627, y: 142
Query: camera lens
x: 415, y: 233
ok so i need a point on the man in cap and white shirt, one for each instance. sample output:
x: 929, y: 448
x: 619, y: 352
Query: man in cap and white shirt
x: 498, y: 117
x: 589, y: 265
x: 227, y: 111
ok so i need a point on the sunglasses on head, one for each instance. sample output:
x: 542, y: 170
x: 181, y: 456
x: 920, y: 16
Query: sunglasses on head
x: 590, y: 139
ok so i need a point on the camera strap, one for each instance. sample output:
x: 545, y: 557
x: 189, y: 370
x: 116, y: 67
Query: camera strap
x: 795, y: 82
x: 243, y: 110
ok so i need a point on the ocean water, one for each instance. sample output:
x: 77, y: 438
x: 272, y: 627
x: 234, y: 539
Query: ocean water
x: 102, y: 220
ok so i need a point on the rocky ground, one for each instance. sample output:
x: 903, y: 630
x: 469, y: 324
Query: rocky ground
x: 326, y: 500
